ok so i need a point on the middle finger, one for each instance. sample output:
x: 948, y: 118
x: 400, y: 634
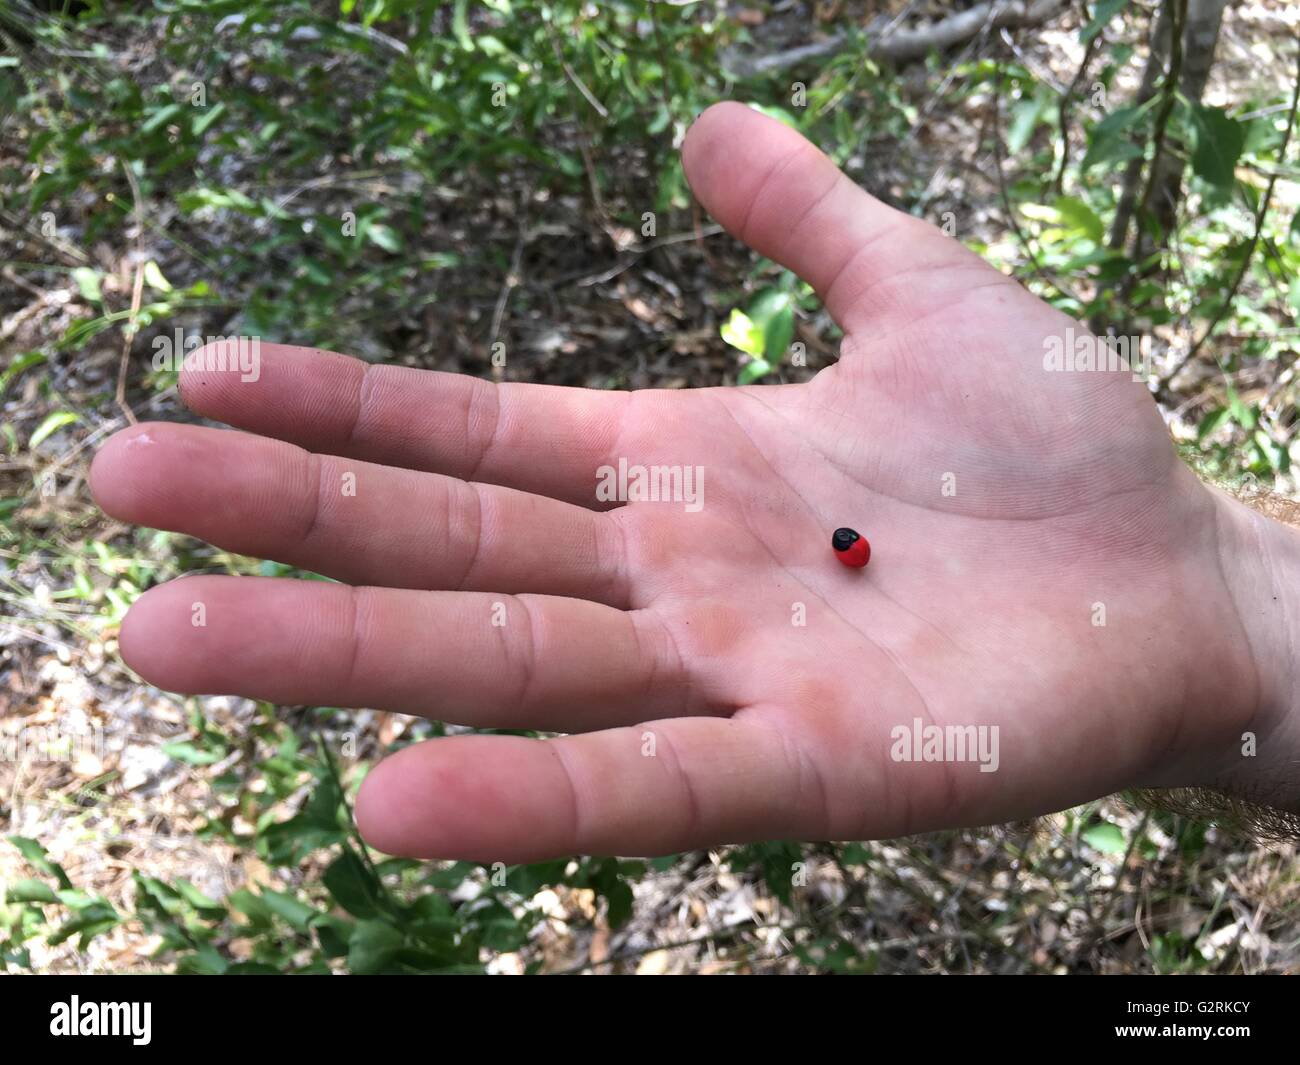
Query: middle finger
x: 356, y: 521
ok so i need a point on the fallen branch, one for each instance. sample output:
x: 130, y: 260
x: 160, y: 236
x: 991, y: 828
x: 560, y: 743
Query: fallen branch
x: 889, y: 44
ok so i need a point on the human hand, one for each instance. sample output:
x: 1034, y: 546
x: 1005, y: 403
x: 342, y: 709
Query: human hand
x: 1004, y: 504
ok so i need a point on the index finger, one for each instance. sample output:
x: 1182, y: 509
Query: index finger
x: 543, y: 439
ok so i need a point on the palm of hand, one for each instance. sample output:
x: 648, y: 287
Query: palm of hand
x: 1010, y: 510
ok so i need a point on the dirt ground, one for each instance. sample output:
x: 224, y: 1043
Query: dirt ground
x: 584, y: 312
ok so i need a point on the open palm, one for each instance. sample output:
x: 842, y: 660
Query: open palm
x: 723, y: 677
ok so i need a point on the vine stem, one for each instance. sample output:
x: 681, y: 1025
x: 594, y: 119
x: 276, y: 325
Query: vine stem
x: 364, y: 851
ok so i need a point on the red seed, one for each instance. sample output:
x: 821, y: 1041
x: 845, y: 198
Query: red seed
x: 851, y: 548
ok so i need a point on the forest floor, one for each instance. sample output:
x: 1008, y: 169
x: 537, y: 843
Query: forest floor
x: 1103, y: 888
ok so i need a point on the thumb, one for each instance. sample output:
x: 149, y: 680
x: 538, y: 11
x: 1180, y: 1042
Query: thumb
x: 773, y: 190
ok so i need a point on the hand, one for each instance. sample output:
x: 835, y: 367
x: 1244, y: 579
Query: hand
x: 1011, y: 510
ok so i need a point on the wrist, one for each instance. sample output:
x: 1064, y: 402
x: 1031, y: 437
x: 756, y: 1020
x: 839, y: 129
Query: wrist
x: 1259, y: 559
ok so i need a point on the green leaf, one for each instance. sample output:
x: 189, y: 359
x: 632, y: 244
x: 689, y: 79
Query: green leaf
x: 52, y: 424
x: 289, y: 841
x: 373, y: 946
x: 154, y: 894
x: 252, y: 906
x: 162, y: 115
x: 203, y: 121
x: 1027, y: 113
x: 87, y: 281
x: 25, y: 361
x: 197, y: 899
x: 1118, y: 121
x: 333, y: 934
x: 1040, y: 212
x: 778, y: 113
x: 1219, y: 140
x: 753, y: 371
x: 296, y: 914
x: 195, y: 199
x: 190, y: 755
x: 768, y: 303
x: 460, y: 26
x: 322, y: 809
x: 1103, y: 12
x: 353, y: 885
x: 620, y: 903
x: 432, y: 921
x: 385, y: 237
x: 1242, y: 414
x: 88, y: 922
x: 1105, y: 837
x: 528, y: 880
x: 1079, y: 216
x: 75, y: 899
x: 153, y: 277
x: 1274, y: 454
x: 1108, y: 140
x: 37, y: 859
x: 744, y: 334
x: 609, y: 882
x: 855, y: 854
x: 773, y: 312
x: 778, y: 860
x: 207, y: 961
x: 777, y: 334
x: 1211, y: 423
x: 31, y: 891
